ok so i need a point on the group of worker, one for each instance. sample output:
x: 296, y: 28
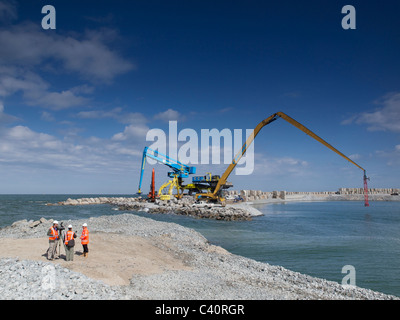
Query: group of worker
x: 55, y: 236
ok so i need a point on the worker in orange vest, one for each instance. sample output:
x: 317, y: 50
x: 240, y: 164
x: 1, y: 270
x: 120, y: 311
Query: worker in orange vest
x: 85, y: 240
x: 69, y: 244
x: 53, y: 240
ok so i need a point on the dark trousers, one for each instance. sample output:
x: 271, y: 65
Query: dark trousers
x: 85, y: 248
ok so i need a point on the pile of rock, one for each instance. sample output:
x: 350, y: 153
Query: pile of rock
x: 251, y: 195
x: 30, y: 223
x: 91, y: 201
x: 188, y: 208
x: 31, y: 226
x: 381, y: 191
x: 36, y: 280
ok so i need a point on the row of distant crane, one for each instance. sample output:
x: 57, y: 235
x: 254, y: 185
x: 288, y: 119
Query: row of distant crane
x: 210, y: 187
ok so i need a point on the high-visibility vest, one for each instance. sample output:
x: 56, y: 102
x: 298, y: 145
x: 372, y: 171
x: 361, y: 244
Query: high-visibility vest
x: 85, y: 236
x: 54, y: 234
x: 69, y: 236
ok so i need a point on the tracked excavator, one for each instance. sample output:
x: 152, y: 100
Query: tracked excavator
x: 216, y: 195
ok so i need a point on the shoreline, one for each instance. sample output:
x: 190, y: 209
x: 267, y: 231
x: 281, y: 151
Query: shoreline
x: 233, y: 211
x: 185, y: 206
x: 186, y: 266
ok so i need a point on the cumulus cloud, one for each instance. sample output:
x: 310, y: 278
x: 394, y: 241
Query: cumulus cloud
x: 169, y: 115
x: 28, y: 55
x: 20, y: 146
x: 87, y: 54
x: 384, y: 118
x: 132, y: 132
x: 31, y: 64
x: 20, y: 143
x: 36, y: 91
x: 135, y: 130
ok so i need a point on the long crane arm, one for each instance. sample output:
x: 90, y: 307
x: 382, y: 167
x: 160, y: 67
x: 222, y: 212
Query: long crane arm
x: 251, y: 138
x: 178, y: 168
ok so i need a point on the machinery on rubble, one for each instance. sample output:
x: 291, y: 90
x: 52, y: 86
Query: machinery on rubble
x: 207, y: 182
x: 210, y: 187
x: 179, y: 171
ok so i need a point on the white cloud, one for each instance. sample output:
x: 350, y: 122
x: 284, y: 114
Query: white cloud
x: 25, y: 148
x: 279, y: 166
x: 355, y: 156
x: 46, y: 116
x: 87, y: 54
x: 27, y: 55
x: 385, y: 118
x: 58, y: 100
x: 36, y: 91
x: 132, y: 132
x: 169, y: 115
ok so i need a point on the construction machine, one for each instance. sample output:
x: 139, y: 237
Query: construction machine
x: 179, y: 171
x: 215, y: 192
x: 207, y: 183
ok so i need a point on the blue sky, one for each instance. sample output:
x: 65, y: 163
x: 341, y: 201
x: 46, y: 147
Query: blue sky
x: 76, y: 102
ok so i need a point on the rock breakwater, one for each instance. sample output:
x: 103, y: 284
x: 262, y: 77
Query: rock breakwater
x: 186, y: 206
x: 343, y: 194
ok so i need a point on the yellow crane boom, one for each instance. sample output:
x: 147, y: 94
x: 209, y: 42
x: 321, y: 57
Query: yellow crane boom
x: 215, y: 194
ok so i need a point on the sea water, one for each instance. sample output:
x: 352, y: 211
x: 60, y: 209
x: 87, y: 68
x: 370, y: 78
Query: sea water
x: 314, y: 238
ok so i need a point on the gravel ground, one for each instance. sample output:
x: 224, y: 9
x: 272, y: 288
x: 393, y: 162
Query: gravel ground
x: 212, y: 272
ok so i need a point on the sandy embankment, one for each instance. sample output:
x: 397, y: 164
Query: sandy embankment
x: 113, y: 258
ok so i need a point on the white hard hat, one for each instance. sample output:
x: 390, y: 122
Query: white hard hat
x: 69, y: 227
x: 55, y: 222
x: 84, y: 225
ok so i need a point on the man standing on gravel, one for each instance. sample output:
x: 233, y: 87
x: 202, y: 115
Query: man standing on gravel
x: 53, y: 239
x: 85, y: 240
x: 69, y: 244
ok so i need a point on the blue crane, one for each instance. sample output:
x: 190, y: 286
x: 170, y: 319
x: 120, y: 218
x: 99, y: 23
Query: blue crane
x: 179, y: 170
